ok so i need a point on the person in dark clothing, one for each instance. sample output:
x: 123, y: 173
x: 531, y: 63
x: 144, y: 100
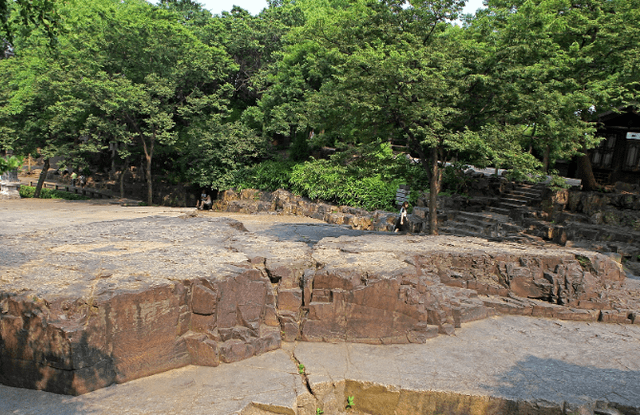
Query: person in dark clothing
x: 401, y: 223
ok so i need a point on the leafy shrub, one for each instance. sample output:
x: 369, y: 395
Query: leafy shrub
x: 366, y: 176
x: 453, y: 178
x: 269, y: 175
x: 371, y: 193
x: 299, y: 150
x: 11, y: 163
x: 29, y: 191
x: 558, y: 183
x: 322, y: 179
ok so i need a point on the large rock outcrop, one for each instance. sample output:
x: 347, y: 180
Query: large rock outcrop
x: 85, y: 306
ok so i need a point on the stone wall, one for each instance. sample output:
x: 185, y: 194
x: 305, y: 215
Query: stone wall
x: 607, y: 222
x: 284, y: 202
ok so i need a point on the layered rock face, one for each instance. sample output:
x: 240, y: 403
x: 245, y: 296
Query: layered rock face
x: 115, y: 301
x: 129, y: 299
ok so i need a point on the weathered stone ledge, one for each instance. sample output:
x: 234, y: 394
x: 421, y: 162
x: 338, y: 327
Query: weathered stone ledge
x: 115, y: 301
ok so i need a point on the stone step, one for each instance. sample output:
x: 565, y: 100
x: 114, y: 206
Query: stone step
x: 481, y: 216
x: 480, y: 225
x: 454, y: 230
x: 529, y: 188
x: 509, y: 206
x: 526, y: 193
x: 570, y: 217
x: 511, y: 227
x: 528, y: 199
x: 491, y: 229
x: 514, y: 201
x: 467, y: 226
x: 602, y: 233
x: 497, y: 233
x: 499, y: 210
x: 521, y: 238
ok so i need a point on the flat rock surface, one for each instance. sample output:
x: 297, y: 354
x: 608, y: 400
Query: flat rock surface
x: 511, y: 357
x: 270, y: 379
x: 51, y: 247
x: 55, y: 249
x: 519, y: 358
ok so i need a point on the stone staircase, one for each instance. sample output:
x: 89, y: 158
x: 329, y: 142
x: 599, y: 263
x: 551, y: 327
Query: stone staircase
x: 524, y: 195
x: 496, y: 220
x: 515, y: 216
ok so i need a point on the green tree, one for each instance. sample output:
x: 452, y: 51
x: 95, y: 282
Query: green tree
x: 371, y: 70
x: 556, y: 66
x: 26, y: 15
x: 159, y: 78
x: 43, y: 110
x: 125, y: 72
x: 220, y: 151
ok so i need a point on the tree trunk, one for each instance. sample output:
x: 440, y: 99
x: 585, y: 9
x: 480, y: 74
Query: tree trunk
x: 434, y: 189
x: 124, y: 171
x: 112, y: 172
x: 148, y: 155
x: 149, y: 182
x: 586, y: 173
x: 43, y: 175
x: 545, y: 158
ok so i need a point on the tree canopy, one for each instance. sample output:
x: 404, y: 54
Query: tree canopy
x: 201, y: 96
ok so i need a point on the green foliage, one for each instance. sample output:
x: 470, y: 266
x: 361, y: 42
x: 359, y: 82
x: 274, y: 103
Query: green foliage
x: 220, y: 153
x: 27, y: 15
x: 365, y: 176
x: 558, y: 183
x: 205, y: 94
x: 335, y: 183
x: 301, y: 369
x: 28, y: 192
x: 269, y: 175
x: 350, y: 402
x: 11, y: 163
x: 319, y: 411
x: 453, y: 178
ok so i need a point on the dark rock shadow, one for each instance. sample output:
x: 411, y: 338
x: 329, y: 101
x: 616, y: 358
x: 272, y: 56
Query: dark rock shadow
x: 84, y: 370
x: 310, y: 233
x: 543, y: 381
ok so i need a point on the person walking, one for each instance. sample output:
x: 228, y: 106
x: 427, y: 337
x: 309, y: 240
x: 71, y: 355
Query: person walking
x: 74, y: 176
x: 401, y: 223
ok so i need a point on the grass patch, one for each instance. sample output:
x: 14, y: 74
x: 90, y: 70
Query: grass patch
x: 29, y: 191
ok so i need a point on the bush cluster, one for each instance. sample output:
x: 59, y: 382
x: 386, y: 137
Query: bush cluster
x: 29, y: 191
x: 364, y: 176
x: 269, y: 175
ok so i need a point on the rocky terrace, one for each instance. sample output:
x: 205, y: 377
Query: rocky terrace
x: 107, y: 302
